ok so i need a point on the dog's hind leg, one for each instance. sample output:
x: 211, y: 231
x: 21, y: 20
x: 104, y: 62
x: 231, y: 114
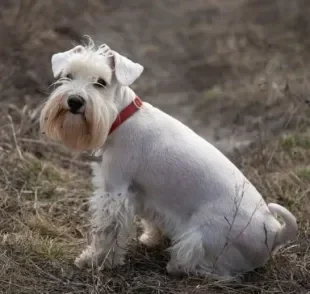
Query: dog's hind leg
x: 188, y: 256
x: 112, y: 223
x: 151, y: 235
x: 187, y: 253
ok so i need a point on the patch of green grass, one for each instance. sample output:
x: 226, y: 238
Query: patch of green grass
x: 303, y: 173
x: 293, y: 140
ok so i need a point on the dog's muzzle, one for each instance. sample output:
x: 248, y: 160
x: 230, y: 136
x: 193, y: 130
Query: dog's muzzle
x: 75, y: 103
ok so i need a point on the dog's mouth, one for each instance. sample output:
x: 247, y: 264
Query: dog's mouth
x: 79, y: 115
x: 77, y: 112
x: 75, y: 116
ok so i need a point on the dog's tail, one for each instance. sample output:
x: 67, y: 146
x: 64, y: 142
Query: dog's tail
x: 288, y: 231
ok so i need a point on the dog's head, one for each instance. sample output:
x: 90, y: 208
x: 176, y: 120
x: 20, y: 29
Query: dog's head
x: 80, y: 112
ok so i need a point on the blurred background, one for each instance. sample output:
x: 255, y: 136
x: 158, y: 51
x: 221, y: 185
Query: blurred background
x: 236, y: 71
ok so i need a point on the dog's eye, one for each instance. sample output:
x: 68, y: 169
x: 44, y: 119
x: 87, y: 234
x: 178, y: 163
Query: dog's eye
x: 69, y: 76
x: 101, y: 83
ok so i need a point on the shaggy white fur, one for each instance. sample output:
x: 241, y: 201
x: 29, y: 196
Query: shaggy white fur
x: 155, y: 167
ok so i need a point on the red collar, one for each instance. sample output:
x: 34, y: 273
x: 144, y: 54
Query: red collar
x: 127, y: 112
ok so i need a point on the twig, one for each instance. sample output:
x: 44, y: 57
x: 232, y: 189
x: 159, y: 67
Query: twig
x: 14, y: 137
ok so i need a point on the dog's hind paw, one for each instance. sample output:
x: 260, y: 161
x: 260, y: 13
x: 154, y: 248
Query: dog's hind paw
x: 149, y: 240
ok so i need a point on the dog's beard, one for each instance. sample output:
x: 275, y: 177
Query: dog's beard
x: 80, y: 132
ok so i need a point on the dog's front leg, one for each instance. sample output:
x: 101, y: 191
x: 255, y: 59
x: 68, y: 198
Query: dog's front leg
x: 112, y: 220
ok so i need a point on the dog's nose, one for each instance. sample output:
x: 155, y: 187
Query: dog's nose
x: 75, y: 102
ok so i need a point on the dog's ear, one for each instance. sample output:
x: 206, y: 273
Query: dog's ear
x: 60, y: 60
x: 126, y: 71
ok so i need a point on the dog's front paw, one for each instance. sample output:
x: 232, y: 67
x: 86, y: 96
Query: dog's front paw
x: 85, y: 259
x: 91, y: 259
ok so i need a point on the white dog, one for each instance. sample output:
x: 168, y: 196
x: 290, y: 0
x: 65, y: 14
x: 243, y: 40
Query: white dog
x: 155, y: 167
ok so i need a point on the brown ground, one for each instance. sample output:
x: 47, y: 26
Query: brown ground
x: 235, y: 71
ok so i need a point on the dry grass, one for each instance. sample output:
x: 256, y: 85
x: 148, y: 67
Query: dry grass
x: 44, y: 188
